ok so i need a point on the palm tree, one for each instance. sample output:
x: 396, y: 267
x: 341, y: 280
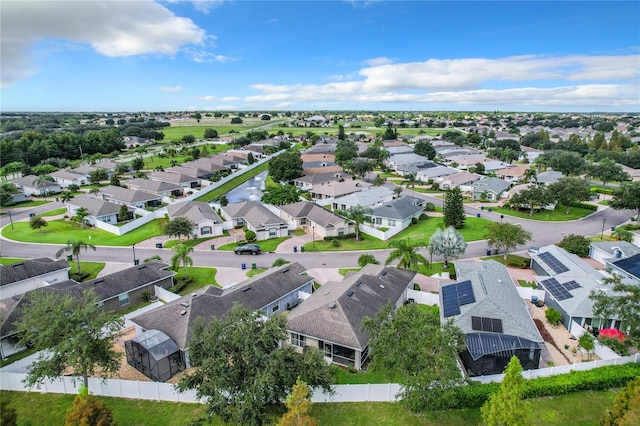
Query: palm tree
x: 397, y: 191
x: 408, y: 255
x: 66, y: 196
x: 358, y: 215
x: 181, y: 256
x: 410, y: 180
x: 43, y: 179
x: 74, y: 247
x: 529, y: 175
x: 81, y: 216
x: 448, y: 243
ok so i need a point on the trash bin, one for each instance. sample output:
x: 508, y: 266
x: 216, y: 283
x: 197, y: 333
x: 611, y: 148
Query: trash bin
x: 481, y: 207
x: 32, y: 214
x: 213, y: 246
x: 489, y: 209
x: 302, y: 249
x: 488, y: 252
x: 244, y: 266
x: 69, y: 257
x: 613, y: 228
x: 136, y: 261
x: 295, y: 249
x: 477, y: 214
x: 158, y: 245
x: 253, y: 265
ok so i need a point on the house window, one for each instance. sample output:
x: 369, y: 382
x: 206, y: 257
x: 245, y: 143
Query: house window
x: 205, y: 230
x: 275, y: 308
x: 240, y: 221
x: 272, y: 232
x: 303, y: 221
x: 298, y: 340
x: 378, y: 221
x: 392, y: 222
x: 340, y: 231
x: 123, y: 299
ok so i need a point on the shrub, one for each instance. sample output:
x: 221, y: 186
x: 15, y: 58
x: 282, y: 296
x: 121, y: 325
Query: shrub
x: 414, y: 221
x: 344, y: 237
x: 576, y: 244
x: 430, y: 207
x: 585, y: 206
x: 250, y: 236
x: 365, y: 259
x: 335, y: 243
x: 518, y: 263
x: 279, y: 262
x: 553, y: 316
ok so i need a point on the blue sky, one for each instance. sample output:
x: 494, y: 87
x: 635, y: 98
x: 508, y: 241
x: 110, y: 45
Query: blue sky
x: 178, y: 55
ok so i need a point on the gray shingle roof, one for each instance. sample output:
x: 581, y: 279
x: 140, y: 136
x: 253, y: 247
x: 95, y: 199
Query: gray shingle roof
x: 333, y: 315
x: 197, y: 211
x: 322, y: 177
x: 365, y: 198
x: 152, y: 185
x: 253, y: 213
x: 95, y: 206
x: 549, y: 176
x: 30, y: 182
x: 400, y: 208
x: 173, y: 177
x: 29, y: 268
x: 496, y: 297
x: 313, y: 212
x: 128, y: 195
x: 610, y: 247
x: 212, y: 301
x: 491, y: 184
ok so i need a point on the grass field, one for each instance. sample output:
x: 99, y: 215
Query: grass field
x: 556, y: 215
x: 60, y: 231
x: 576, y: 409
x: 91, y: 268
x: 201, y: 277
x: 345, y: 271
x: 223, y: 126
x: 266, y: 246
x: 253, y: 272
x: 474, y: 230
x: 190, y: 243
x: 29, y: 203
x: 54, y: 212
x: 233, y: 183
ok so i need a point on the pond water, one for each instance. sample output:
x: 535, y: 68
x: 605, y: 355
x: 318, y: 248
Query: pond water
x: 251, y: 190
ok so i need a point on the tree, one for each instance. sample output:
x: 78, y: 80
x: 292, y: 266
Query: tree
x: 97, y: 175
x: 115, y: 179
x: 75, y: 247
x: 410, y: 343
x: 6, y: 193
x: 397, y: 191
x: 181, y: 256
x: 410, y: 180
x: 507, y: 407
x: 626, y: 407
x: 44, y: 169
x: 66, y: 196
x: 341, y: 134
x: 627, y: 196
x: 279, y: 262
x: 553, y: 316
x: 224, y: 201
x: 568, y: 162
x: 188, y: 139
x: 137, y: 164
x: 241, y: 378
x: 569, y: 190
x: 71, y: 332
x: 236, y: 120
x: 345, y: 151
x: 576, y: 244
x: 366, y: 259
x: 81, y: 216
x: 250, y: 158
x: 285, y: 167
x: 43, y: 180
x: 453, y: 208
x: 360, y: 167
x: 480, y: 168
x: 210, y: 133
x: 621, y: 302
x: 197, y: 116
x: 124, y: 214
x: 407, y: 253
x: 533, y: 197
x: 88, y: 410
x: 608, y: 170
x: 358, y: 215
x: 179, y: 227
x: 74, y: 187
x: 506, y: 236
x: 280, y: 195
x: 447, y: 243
x: 390, y: 133
x: 425, y: 148
x: 299, y: 404
x: 37, y: 222
x: 531, y: 174
x: 121, y: 169
x: 586, y: 342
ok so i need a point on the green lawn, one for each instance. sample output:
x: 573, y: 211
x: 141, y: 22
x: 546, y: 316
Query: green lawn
x: 266, y: 246
x: 436, y: 268
x: 60, y: 231
x: 233, y: 183
x: 546, y: 215
x: 253, y: 272
x: 190, y: 243
x: 55, y: 212
x: 28, y: 203
x: 512, y: 259
x: 199, y: 276
x: 576, y: 409
x: 344, y: 271
x: 474, y: 230
x: 90, y: 268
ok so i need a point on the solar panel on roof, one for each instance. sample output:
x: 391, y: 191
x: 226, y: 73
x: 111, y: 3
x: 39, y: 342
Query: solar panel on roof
x: 556, y: 289
x: 450, y: 305
x: 465, y: 293
x: 571, y: 285
x: 493, y: 325
x: 496, y: 325
x: 476, y: 323
x: 553, y: 263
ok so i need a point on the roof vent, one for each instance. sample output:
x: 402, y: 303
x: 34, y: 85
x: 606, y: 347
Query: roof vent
x: 183, y: 312
x: 285, y: 270
x: 98, y: 281
x: 244, y: 290
x: 326, y: 292
x: 381, y: 286
x: 350, y: 293
x: 185, y: 304
x: 194, y: 294
x: 332, y: 305
x: 359, y: 284
x: 142, y: 267
x: 383, y: 273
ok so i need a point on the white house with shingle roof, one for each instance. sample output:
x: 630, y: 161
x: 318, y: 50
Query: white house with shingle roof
x: 368, y: 199
x: 30, y: 186
x: 331, y: 318
x: 256, y: 217
x: 207, y: 222
x: 325, y: 192
x: 320, y: 221
x: 99, y: 209
x: 64, y: 178
x: 164, y: 189
x: 30, y: 274
x: 130, y: 197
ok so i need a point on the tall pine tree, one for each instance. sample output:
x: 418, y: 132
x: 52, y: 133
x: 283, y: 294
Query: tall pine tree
x: 454, y: 209
x: 506, y: 407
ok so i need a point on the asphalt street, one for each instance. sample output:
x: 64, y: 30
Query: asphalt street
x: 544, y: 233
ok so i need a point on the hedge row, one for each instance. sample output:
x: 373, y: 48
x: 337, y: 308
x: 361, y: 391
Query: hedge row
x: 614, y: 376
x: 585, y: 206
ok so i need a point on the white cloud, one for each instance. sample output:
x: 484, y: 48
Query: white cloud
x: 374, y: 62
x: 203, y: 56
x: 204, y: 6
x: 112, y: 28
x: 170, y: 89
x: 207, y: 98
x: 230, y: 98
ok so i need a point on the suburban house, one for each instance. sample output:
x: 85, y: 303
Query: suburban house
x: 324, y: 193
x: 64, y: 178
x: 492, y: 166
x: 369, y: 198
x: 399, y: 212
x: 513, y: 174
x: 485, y: 304
x: 412, y: 159
x: 115, y: 292
x: 133, y: 141
x: 433, y: 173
x: 129, y: 197
x: 321, y: 222
x: 180, y: 179
x: 314, y: 167
x: 257, y: 218
x: 331, y: 318
x: 568, y: 281
x: 465, y: 161
x: 548, y: 177
x: 163, y: 189
x: 30, y: 274
x: 489, y: 188
x: 99, y: 209
x: 308, y: 157
x: 612, y: 251
x: 399, y: 149
x: 272, y: 292
x: 628, y: 268
x: 305, y: 183
x: 464, y: 180
x: 207, y: 222
x: 30, y: 186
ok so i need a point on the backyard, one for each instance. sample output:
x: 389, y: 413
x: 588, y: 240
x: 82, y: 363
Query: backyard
x: 233, y: 183
x: 556, y: 215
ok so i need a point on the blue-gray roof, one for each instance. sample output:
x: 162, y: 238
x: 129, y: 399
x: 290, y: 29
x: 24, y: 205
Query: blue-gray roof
x: 400, y: 208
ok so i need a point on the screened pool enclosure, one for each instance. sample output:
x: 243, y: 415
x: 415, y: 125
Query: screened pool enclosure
x: 154, y: 354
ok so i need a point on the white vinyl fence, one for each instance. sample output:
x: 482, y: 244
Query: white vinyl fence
x: 602, y: 351
x: 134, y: 224
x: 381, y: 235
x: 165, y: 295
x: 423, y: 297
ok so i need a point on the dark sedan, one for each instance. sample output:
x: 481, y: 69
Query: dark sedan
x: 248, y: 249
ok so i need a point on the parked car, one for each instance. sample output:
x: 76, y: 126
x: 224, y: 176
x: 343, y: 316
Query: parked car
x: 248, y: 249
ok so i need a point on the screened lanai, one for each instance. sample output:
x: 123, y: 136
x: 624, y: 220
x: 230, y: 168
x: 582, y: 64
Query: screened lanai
x: 154, y: 354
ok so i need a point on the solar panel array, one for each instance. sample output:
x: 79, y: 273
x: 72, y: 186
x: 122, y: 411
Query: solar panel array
x: 553, y: 263
x: 456, y: 295
x: 556, y: 289
x: 493, y: 325
x: 571, y: 285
